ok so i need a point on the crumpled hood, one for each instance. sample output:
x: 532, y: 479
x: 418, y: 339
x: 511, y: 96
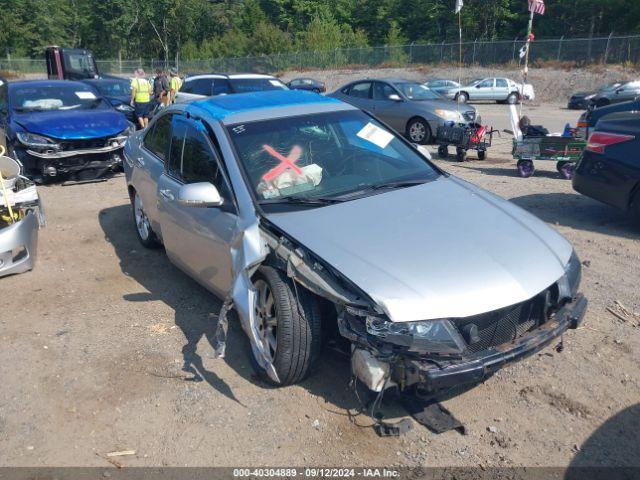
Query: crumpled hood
x: 73, y: 124
x: 442, y: 249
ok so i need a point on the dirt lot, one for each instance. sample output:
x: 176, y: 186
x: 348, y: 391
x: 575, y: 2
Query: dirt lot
x: 106, y: 346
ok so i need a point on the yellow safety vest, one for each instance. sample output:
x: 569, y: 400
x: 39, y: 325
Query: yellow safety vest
x: 143, y: 90
x: 176, y: 83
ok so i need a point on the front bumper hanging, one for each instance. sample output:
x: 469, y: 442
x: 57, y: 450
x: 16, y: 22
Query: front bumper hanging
x: 478, y: 368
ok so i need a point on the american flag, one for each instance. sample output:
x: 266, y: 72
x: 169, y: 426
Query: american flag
x: 536, y: 6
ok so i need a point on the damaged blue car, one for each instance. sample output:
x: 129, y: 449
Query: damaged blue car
x: 61, y: 130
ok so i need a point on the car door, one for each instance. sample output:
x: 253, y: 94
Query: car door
x: 360, y: 95
x: 392, y: 112
x: 194, y: 89
x: 627, y: 92
x: 501, y: 91
x: 149, y: 155
x: 483, y: 90
x: 196, y: 239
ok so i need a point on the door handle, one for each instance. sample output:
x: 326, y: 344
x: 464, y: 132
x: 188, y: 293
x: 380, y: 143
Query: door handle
x: 167, y: 195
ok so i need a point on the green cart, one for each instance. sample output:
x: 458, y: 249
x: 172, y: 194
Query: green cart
x: 565, y: 151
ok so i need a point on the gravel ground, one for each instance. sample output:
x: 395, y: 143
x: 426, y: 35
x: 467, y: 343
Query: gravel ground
x: 107, y: 346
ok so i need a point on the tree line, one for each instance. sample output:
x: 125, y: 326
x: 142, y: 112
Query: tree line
x: 201, y: 29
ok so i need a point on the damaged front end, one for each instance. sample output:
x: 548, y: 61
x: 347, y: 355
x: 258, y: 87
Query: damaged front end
x: 436, y: 355
x: 21, y: 216
x: 82, y: 159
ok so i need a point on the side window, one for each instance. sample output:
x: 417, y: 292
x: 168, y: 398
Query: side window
x: 435, y: 84
x: 486, y: 83
x: 187, y: 86
x: 193, y: 159
x: 501, y: 83
x: 295, y: 83
x: 202, y: 86
x: 198, y: 160
x: 174, y: 164
x: 157, y: 140
x: 381, y: 91
x: 220, y: 86
x: 361, y: 90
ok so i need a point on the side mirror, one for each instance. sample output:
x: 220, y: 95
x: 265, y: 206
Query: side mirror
x: 395, y: 97
x: 478, y: 86
x: 618, y: 90
x: 199, y: 195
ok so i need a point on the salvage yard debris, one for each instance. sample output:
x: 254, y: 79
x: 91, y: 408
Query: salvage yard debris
x: 623, y: 314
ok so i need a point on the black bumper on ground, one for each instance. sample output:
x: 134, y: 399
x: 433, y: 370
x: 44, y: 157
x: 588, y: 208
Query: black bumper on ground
x: 477, y: 369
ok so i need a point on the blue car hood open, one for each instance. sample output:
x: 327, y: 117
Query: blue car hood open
x: 73, y: 124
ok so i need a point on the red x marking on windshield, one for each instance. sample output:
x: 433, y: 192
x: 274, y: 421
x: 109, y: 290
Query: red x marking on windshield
x: 285, y: 162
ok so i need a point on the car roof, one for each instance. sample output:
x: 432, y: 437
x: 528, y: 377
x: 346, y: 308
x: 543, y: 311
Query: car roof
x: 245, y: 107
x: 231, y: 76
x: 46, y: 83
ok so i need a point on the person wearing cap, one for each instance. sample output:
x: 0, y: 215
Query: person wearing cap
x: 174, y: 85
x: 141, y: 97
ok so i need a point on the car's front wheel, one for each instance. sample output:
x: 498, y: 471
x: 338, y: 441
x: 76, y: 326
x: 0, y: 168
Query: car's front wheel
x: 145, y: 233
x: 418, y: 131
x: 462, y: 97
x: 289, y: 323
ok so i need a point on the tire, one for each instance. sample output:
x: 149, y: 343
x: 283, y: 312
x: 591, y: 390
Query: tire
x: 513, y: 98
x: 462, y: 97
x: 418, y: 131
x: 290, y: 326
x: 145, y: 233
x: 461, y: 154
x: 526, y: 168
x: 482, y: 154
x: 443, y: 151
x: 565, y: 169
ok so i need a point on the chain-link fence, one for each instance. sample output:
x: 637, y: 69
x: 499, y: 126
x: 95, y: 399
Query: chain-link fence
x: 574, y: 51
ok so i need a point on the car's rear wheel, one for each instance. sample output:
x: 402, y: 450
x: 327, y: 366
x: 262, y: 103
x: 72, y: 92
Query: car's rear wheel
x: 513, y: 98
x: 145, y: 233
x: 418, y: 131
x: 289, y: 326
x: 462, y: 97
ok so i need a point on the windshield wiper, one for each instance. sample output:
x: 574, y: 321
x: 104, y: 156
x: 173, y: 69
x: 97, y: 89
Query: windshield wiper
x: 300, y: 200
x: 397, y: 184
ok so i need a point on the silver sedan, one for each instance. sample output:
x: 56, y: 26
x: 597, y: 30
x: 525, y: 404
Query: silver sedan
x: 311, y: 219
x: 409, y: 107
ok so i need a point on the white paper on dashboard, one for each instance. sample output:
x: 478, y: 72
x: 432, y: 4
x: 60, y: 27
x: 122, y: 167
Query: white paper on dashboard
x: 376, y: 135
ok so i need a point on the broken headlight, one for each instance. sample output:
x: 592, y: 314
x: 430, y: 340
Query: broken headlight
x: 429, y: 336
x: 32, y: 140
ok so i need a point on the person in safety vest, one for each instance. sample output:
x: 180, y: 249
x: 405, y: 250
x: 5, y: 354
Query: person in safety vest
x: 141, y: 97
x: 175, y: 84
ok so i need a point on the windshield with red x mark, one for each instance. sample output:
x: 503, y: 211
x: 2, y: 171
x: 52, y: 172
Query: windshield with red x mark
x: 334, y: 156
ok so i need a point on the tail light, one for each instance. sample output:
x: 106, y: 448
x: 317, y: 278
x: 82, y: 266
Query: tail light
x: 598, y: 141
